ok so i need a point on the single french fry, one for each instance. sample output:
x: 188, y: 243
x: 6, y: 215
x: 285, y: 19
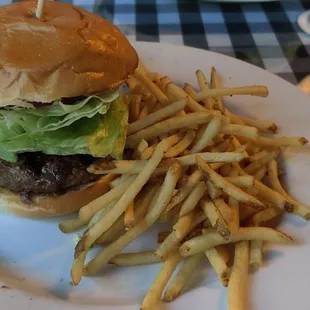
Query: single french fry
x: 279, y: 142
x: 73, y: 224
x: 299, y: 209
x: 260, y: 91
x: 134, y: 107
x: 160, y: 204
x: 226, y: 157
x: 153, y: 88
x: 216, y: 84
x: 261, y: 125
x: 256, y: 253
x: 260, y: 173
x: 144, y: 112
x: 157, y: 116
x: 234, y: 222
x: 244, y: 181
x: 153, y: 296
x: 228, y: 187
x: 182, y: 224
x: 193, y: 198
x: 189, y: 89
x: 77, y: 267
x: 219, y: 265
x: 216, y: 218
x: 201, y: 79
x: 212, y: 239
x: 223, y: 208
x: 135, y: 259
x: 239, y: 130
x: 203, y: 85
x: 182, y: 277
x: 213, y: 191
x: 167, y: 125
x: 210, y: 131
x: 273, y: 197
x: 129, y: 217
x: 238, y: 279
x: 182, y: 145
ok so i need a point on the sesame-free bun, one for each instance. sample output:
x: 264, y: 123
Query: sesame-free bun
x: 50, y: 206
x: 69, y: 52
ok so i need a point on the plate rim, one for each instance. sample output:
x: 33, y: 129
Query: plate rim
x: 137, y: 43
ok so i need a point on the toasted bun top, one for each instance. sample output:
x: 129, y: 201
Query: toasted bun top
x: 69, y: 52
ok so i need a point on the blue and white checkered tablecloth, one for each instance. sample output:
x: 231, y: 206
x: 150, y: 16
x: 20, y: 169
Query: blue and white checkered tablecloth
x: 265, y: 34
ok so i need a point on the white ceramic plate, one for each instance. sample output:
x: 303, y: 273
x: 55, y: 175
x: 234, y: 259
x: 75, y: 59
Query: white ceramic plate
x: 36, y: 257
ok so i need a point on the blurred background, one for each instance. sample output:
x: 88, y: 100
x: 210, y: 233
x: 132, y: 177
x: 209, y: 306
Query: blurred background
x: 264, y: 33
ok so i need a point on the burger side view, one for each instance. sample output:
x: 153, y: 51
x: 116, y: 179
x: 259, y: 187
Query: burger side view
x: 60, y: 107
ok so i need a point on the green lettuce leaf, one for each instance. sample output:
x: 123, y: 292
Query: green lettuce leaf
x: 57, y: 115
x: 93, y: 126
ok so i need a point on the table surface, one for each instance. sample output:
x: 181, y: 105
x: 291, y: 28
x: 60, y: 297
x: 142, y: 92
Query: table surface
x: 265, y: 34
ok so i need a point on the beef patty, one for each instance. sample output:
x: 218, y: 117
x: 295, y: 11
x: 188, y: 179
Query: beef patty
x: 38, y: 173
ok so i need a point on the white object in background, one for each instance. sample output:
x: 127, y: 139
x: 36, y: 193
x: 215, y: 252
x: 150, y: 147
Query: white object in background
x: 304, y: 85
x: 236, y: 1
x: 304, y: 21
x: 39, y: 10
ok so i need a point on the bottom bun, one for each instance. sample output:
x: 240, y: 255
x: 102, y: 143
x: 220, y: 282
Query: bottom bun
x: 48, y: 206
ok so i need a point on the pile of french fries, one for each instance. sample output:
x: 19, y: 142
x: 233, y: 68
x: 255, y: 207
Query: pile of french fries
x: 210, y: 173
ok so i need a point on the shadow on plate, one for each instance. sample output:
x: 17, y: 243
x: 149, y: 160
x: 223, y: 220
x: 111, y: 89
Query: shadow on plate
x: 62, y: 291
x: 269, y: 256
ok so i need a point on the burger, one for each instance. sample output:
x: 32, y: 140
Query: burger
x: 60, y: 105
